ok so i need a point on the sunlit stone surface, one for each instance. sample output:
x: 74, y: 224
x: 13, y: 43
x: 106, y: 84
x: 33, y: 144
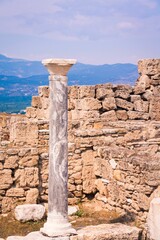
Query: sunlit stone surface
x: 153, y: 220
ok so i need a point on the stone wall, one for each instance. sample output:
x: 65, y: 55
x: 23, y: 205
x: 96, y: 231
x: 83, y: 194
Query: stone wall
x: 114, y: 146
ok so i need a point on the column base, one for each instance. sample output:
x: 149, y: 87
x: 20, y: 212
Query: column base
x: 57, y: 226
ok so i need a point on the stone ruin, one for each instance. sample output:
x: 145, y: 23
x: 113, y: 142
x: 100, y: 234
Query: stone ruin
x: 114, y: 147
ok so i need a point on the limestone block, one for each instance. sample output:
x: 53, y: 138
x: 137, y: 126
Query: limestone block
x: 109, y: 104
x: 156, y: 91
x: 43, y: 113
x: 118, y: 175
x: 124, y: 104
x: 89, y: 186
x: 76, y: 176
x: 11, y: 162
x: 155, y: 82
x: 141, y: 106
x: 29, y: 212
x: 88, y: 180
x: 103, y: 92
x: 138, y: 115
x: 156, y: 77
x: 89, y: 114
x: 115, y: 231
x: 44, y: 155
x: 149, y: 66
x: 100, y: 198
x: 32, y: 195
x: 2, y: 156
x: 45, y: 102
x: 29, y: 161
x: 43, y: 91
x: 12, y: 151
x: 5, y: 143
x: 135, y: 98
x: 15, y: 192
x: 88, y: 158
x: 147, y: 95
x: 143, y: 201
x: 72, y: 210
x: 15, y: 238
x: 36, y: 102
x: 154, y: 111
x: 142, y: 84
x: 133, y: 136
x: 113, y: 163
x: 122, y: 115
x: 89, y: 104
x: 71, y: 147
x: 79, y: 187
x: 23, y: 152
x: 126, y: 87
x: 9, y: 203
x: 1, y: 166
x: 87, y: 92
x: 123, y: 91
x: 37, y: 236
x: 71, y: 187
x: 31, y: 112
x: 71, y: 104
x: 6, y: 178
x: 73, y: 92
x: 27, y: 177
x: 24, y: 132
x: 34, y: 151
x: 153, y: 219
x: 101, y: 187
x: 109, y: 116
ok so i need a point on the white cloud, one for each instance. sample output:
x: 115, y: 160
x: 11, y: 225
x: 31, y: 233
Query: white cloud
x: 151, y: 4
x: 102, y: 23
x: 126, y: 25
x: 29, y: 7
x: 73, y: 19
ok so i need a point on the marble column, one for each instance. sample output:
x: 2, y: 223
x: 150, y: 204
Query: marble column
x: 57, y: 222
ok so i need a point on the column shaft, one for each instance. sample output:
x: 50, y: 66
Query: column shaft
x: 58, y: 146
x: 57, y: 222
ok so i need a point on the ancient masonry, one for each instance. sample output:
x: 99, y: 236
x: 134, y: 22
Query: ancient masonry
x: 114, y: 146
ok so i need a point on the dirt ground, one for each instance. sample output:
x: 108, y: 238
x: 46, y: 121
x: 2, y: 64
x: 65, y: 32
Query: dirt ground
x: 11, y: 227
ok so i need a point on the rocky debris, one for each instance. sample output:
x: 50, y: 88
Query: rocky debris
x: 37, y: 236
x: 15, y: 238
x: 115, y: 231
x: 29, y: 212
x: 72, y: 210
x: 108, y: 232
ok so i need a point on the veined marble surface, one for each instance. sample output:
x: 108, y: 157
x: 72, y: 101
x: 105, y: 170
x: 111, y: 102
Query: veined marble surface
x: 57, y: 222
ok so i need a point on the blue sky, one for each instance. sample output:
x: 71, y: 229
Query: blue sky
x: 92, y: 31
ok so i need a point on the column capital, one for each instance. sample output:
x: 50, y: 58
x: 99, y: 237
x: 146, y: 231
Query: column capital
x: 56, y: 66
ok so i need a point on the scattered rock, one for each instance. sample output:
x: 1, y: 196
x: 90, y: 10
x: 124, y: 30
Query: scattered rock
x: 72, y: 210
x: 115, y: 231
x: 15, y: 238
x: 28, y: 212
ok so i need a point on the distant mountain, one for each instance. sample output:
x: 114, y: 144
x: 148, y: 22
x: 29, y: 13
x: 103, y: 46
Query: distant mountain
x: 20, y: 77
x: 15, y: 86
x: 20, y: 68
